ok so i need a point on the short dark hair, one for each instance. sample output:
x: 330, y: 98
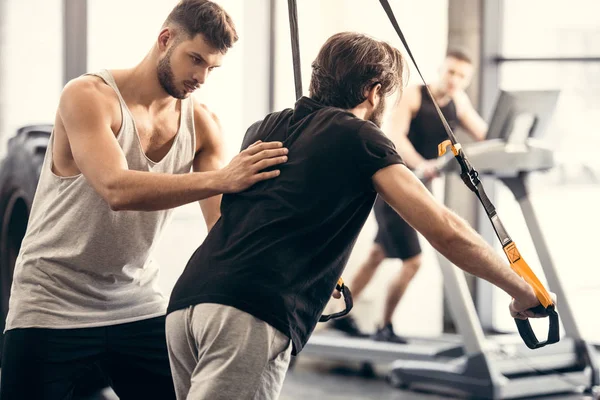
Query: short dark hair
x: 349, y: 64
x: 204, y: 17
x: 459, y: 54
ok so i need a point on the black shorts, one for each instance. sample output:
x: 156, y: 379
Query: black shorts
x: 52, y: 363
x: 397, y: 238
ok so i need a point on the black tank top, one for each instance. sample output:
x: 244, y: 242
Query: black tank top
x: 426, y: 129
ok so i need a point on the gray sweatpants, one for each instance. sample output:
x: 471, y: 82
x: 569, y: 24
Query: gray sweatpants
x: 218, y: 352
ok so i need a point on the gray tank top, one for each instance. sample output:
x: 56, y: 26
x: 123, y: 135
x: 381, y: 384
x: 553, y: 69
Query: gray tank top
x: 82, y: 264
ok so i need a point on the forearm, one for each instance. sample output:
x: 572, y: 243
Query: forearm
x: 479, y: 132
x: 465, y: 248
x: 474, y: 125
x: 143, y: 191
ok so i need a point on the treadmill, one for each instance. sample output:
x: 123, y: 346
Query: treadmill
x: 504, y: 368
x: 334, y: 345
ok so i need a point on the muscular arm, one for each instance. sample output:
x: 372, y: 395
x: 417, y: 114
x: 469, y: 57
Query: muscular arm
x: 469, y: 119
x: 209, y: 157
x: 400, y: 123
x: 87, y: 117
x: 448, y: 233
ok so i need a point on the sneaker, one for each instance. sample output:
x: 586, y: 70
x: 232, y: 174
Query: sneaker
x: 386, y: 334
x: 347, y: 325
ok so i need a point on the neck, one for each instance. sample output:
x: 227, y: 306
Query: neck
x: 440, y: 95
x: 360, y: 111
x: 142, y: 85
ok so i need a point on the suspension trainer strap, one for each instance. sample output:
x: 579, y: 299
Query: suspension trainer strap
x: 471, y: 178
x: 293, y: 14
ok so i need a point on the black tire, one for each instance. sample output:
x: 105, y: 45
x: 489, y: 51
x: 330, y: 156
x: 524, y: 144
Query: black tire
x: 19, y: 175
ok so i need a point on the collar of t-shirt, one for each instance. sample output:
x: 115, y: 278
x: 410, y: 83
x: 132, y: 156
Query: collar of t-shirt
x: 304, y: 107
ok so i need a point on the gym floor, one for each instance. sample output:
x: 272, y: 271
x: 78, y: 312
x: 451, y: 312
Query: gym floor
x: 311, y: 380
x: 315, y: 379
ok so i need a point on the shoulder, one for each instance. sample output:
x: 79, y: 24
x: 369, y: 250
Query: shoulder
x: 342, y: 125
x: 412, y: 96
x: 371, y: 133
x: 274, y: 119
x: 88, y: 92
x: 410, y: 100
x: 207, y: 127
x: 337, y: 118
x: 89, y: 101
x: 263, y: 128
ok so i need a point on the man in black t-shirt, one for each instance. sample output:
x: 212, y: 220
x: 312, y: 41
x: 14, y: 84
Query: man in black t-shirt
x: 253, y: 292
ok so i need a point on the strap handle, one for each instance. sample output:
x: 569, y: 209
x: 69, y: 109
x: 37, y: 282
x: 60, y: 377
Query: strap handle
x: 546, y: 307
x: 528, y: 335
x: 345, y: 291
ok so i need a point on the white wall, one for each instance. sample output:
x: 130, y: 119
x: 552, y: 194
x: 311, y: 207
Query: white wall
x: 120, y: 35
x: 31, y: 76
x: 424, y: 24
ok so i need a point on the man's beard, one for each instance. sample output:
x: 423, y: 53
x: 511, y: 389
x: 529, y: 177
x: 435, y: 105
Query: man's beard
x: 166, y: 77
x: 377, y: 115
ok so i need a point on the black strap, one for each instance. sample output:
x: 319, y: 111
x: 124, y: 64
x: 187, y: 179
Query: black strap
x: 471, y: 178
x: 293, y: 13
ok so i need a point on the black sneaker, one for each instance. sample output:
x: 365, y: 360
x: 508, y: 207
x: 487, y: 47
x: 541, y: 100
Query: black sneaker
x: 347, y: 325
x: 386, y: 334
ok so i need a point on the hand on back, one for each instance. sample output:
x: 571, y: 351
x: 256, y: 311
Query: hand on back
x: 247, y: 168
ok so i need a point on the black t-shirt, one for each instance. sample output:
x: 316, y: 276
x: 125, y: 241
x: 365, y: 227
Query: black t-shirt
x: 279, y: 247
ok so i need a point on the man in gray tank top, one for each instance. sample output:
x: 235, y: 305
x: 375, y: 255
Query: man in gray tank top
x: 127, y: 147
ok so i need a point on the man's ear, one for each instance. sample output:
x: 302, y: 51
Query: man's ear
x: 164, y: 38
x: 470, y: 76
x: 373, y: 93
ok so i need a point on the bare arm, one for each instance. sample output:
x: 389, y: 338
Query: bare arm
x: 209, y: 157
x: 87, y: 116
x: 469, y: 119
x: 448, y: 233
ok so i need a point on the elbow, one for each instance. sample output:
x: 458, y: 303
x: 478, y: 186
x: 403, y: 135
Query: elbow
x: 115, y: 200
x: 114, y: 196
x: 447, y: 233
x: 116, y: 203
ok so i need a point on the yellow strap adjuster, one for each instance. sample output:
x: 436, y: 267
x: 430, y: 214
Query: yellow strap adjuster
x: 518, y: 264
x: 442, y: 147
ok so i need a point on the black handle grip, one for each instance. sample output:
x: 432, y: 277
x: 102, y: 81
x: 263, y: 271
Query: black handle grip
x: 345, y: 291
x: 527, y: 333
